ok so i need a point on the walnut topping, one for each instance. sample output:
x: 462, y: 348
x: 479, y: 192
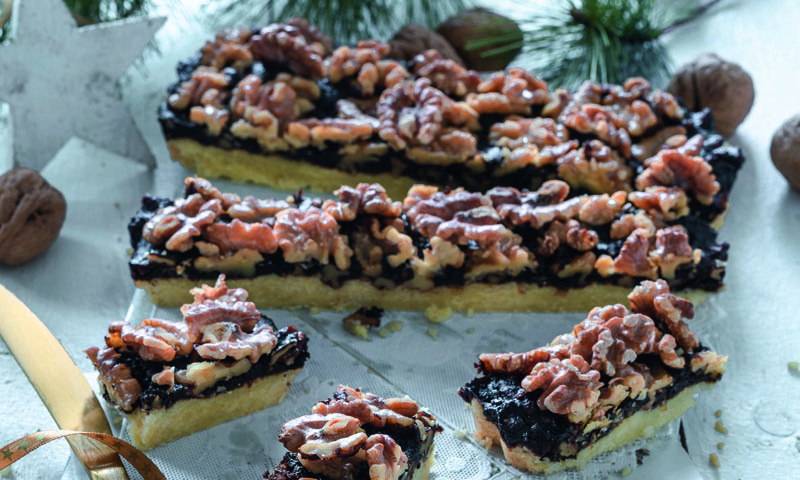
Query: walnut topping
x: 508, y: 92
x: 669, y: 202
x: 238, y: 235
x: 516, y: 363
x: 588, y: 117
x: 602, y: 209
x: 538, y: 216
x: 596, y: 168
x: 654, y: 300
x: 154, y: 340
x: 632, y: 259
x: 569, y: 386
x: 323, y: 436
x: 336, y: 130
x: 417, y: 116
x: 253, y: 210
x: 219, y: 304
x: 672, y: 168
x: 446, y: 74
x: 228, y: 49
x: 204, y: 88
x: 626, y: 224
x: 301, y: 49
x: 672, y: 250
x: 176, y: 226
x: 369, y: 408
x: 116, y: 377
x: 364, y: 199
x: 225, y: 339
x: 385, y: 458
x: 312, y: 234
x: 365, y: 64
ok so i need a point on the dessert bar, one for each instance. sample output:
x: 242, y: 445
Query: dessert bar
x: 358, y: 436
x: 281, y: 107
x: 618, y: 376
x: 505, y: 250
x: 224, y: 361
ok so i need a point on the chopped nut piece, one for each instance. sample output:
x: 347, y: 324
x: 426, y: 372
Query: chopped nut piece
x: 713, y: 460
x: 508, y: 92
x: 228, y: 49
x: 311, y: 234
x: 633, y: 259
x: 672, y: 168
x: 291, y: 45
x: 445, y: 74
x: 718, y: 426
x: 596, y: 168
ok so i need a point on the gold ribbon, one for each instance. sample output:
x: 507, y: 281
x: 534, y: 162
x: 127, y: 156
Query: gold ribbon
x: 25, y: 445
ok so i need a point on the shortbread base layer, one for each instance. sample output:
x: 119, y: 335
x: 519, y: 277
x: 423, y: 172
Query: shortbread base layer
x: 273, y: 291
x: 185, y: 417
x: 641, y: 424
x: 276, y: 171
x: 424, y: 470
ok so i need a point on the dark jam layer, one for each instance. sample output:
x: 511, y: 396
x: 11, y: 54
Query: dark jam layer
x: 409, y: 440
x: 522, y: 423
x: 707, y: 275
x: 158, y: 396
x: 725, y: 160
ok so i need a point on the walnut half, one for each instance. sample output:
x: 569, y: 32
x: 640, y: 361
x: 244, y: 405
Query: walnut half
x: 31, y: 214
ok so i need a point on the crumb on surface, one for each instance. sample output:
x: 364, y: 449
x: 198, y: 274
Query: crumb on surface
x: 438, y: 314
x: 470, y: 312
x: 433, y: 333
x: 720, y: 445
x: 470, y: 330
x: 314, y: 310
x: 793, y: 366
x: 718, y: 426
x: 356, y: 329
x: 713, y: 460
x: 626, y: 471
x: 718, y: 413
x: 459, y: 434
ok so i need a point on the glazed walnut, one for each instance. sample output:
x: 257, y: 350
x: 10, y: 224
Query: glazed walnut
x: 669, y: 202
x: 219, y: 304
x: 672, y: 168
x: 205, y: 88
x: 365, y: 64
x: 569, y: 387
x: 447, y: 75
x: 633, y: 259
x: 370, y: 199
x: 672, y: 250
x: 228, y: 49
x: 417, y: 117
x: 509, y: 92
x: 311, y: 234
x: 177, y: 226
x: 116, y: 377
x: 369, y: 408
x: 595, y: 167
x: 225, y: 339
x: 654, y: 300
x: 288, y: 44
x: 602, y: 209
x: 31, y: 214
x: 238, y: 235
x: 385, y: 458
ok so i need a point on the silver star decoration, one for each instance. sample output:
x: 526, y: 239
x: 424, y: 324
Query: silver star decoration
x: 61, y: 81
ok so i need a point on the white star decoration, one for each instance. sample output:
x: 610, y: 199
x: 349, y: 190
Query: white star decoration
x: 61, y: 81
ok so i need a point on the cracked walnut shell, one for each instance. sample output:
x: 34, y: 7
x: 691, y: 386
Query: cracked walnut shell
x: 31, y: 214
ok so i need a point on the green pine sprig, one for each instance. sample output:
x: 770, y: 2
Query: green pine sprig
x: 605, y: 41
x: 346, y: 21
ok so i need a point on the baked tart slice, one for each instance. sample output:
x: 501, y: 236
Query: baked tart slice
x: 503, y: 250
x: 280, y: 106
x: 358, y: 436
x: 224, y: 361
x: 618, y: 376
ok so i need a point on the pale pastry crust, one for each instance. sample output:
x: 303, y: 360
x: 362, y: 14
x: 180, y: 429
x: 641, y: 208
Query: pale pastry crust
x: 641, y: 424
x: 273, y: 291
x: 278, y: 171
x: 188, y: 416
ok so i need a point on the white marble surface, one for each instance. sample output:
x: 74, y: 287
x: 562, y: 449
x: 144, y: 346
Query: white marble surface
x: 81, y: 284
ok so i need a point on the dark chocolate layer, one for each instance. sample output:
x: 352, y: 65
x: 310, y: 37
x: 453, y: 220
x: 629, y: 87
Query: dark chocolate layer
x: 522, y: 423
x: 158, y: 396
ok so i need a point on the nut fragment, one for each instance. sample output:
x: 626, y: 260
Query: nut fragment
x: 672, y: 168
x: 31, y: 214
x: 722, y: 86
x: 293, y: 46
x: 785, y: 150
x: 447, y: 75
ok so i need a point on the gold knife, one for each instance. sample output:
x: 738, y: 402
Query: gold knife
x: 60, y: 384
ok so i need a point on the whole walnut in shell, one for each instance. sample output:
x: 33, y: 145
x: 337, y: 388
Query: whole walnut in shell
x: 31, y: 215
x: 722, y: 86
x: 478, y: 24
x: 785, y: 150
x: 414, y: 39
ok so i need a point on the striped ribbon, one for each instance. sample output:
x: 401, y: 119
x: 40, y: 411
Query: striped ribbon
x: 25, y: 445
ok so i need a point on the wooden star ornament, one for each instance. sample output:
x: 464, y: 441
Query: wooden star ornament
x: 61, y: 81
